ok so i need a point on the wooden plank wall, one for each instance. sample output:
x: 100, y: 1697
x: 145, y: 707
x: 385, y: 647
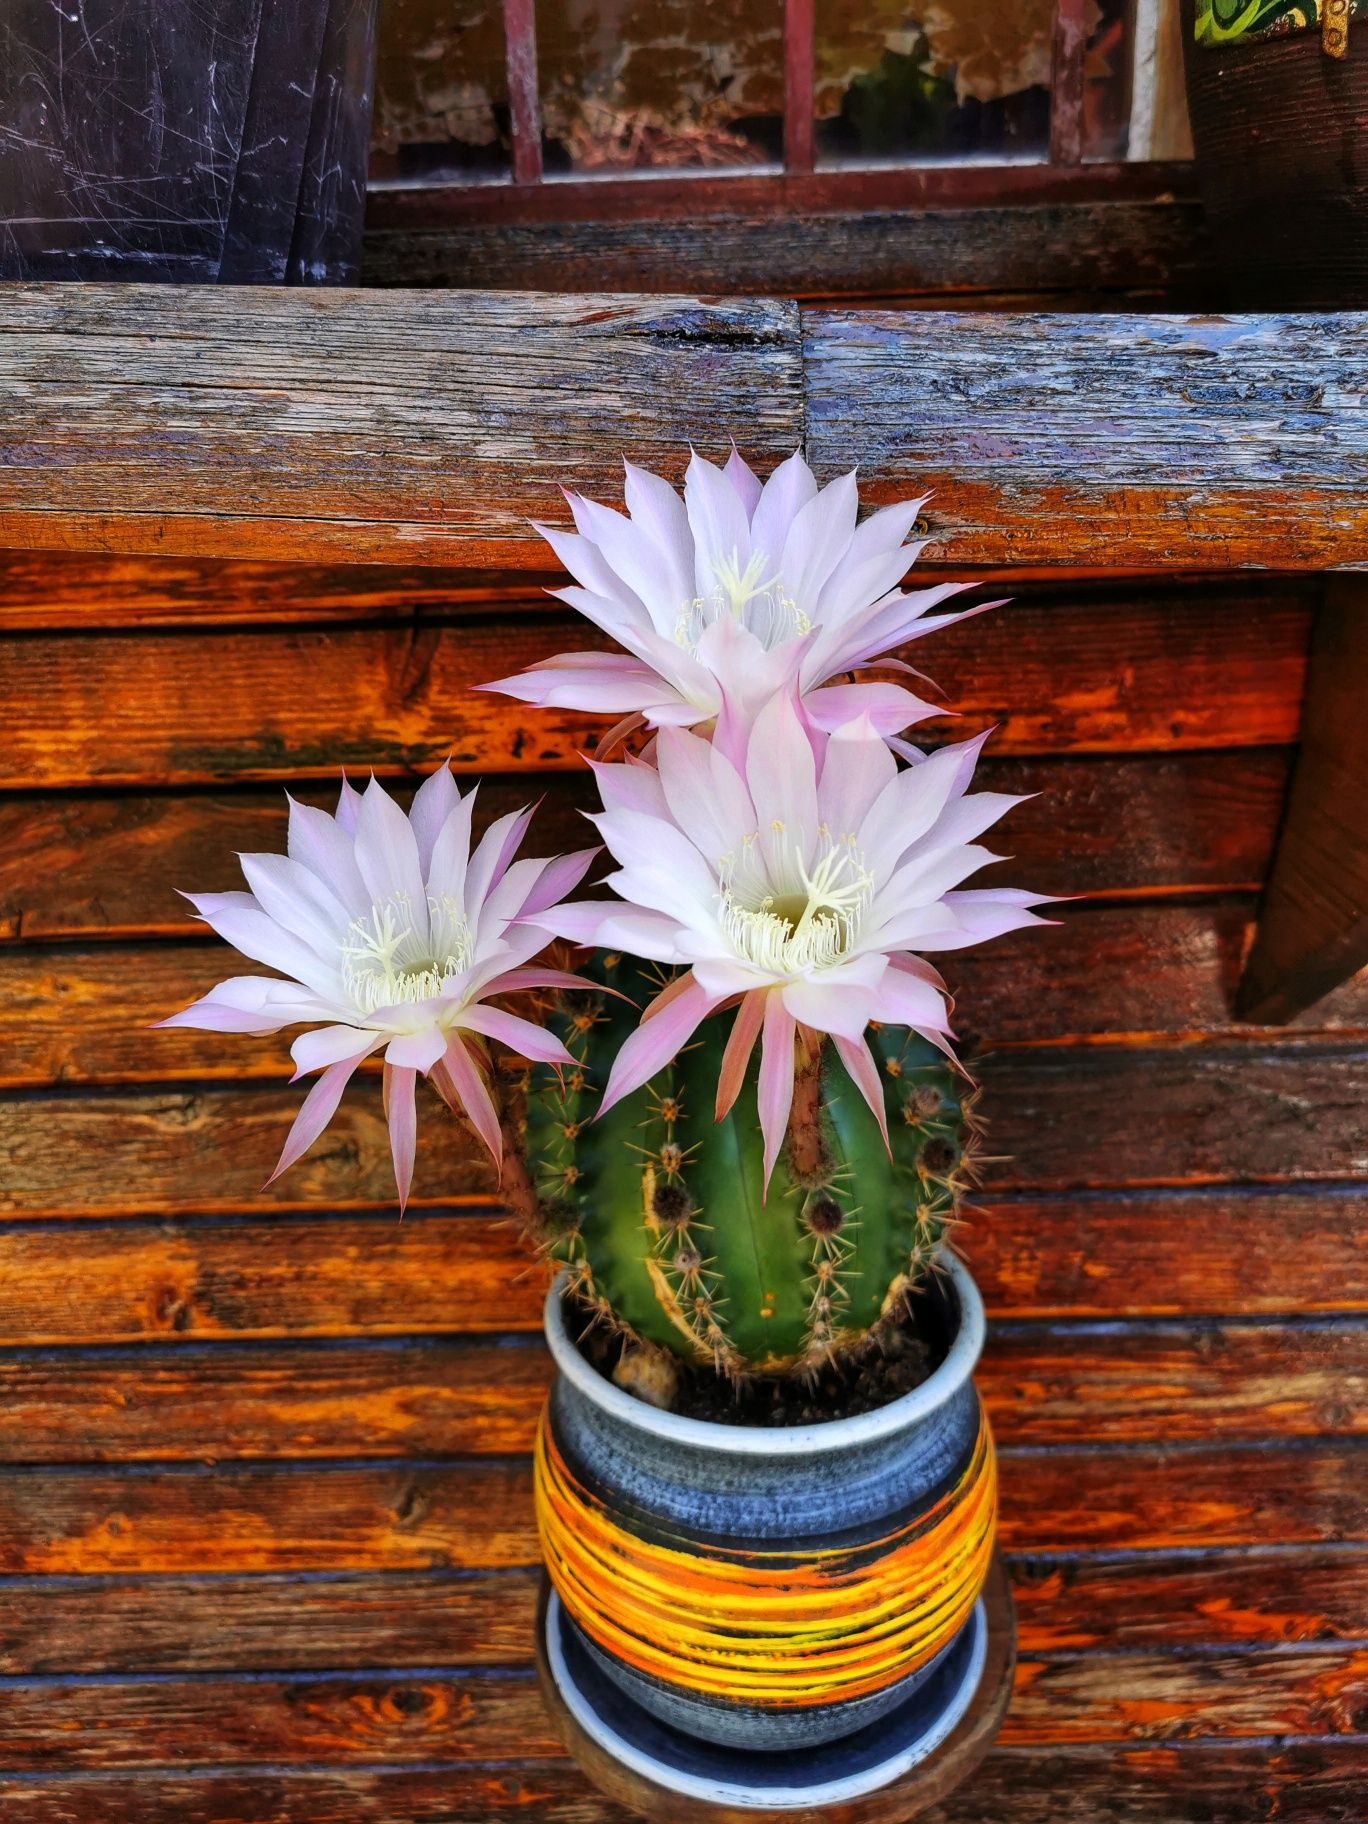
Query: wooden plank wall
x: 266, y: 1547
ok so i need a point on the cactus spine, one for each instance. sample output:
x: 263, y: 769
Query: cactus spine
x: 658, y: 1210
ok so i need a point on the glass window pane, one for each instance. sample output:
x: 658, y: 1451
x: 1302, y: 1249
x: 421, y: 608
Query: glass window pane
x: 630, y: 85
x: 907, y: 81
x: 441, y: 91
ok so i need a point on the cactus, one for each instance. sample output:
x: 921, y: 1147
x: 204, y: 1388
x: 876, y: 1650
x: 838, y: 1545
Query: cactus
x: 657, y: 1209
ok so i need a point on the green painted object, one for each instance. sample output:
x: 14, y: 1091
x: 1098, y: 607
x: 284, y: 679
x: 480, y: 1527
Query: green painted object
x: 1223, y: 22
x: 659, y: 1210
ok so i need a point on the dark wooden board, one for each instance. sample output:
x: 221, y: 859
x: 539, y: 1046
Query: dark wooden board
x: 1195, y: 1254
x: 191, y: 706
x: 943, y: 254
x: 185, y: 143
x: 477, y: 1514
x: 95, y: 866
x: 362, y: 426
x: 404, y: 1397
x: 318, y: 1622
x: 1318, y: 1782
x: 1188, y: 438
x: 1313, y: 926
x: 1090, y: 1117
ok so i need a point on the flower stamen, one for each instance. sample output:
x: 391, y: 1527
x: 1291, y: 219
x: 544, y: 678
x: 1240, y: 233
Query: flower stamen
x: 386, y: 962
x: 809, y: 920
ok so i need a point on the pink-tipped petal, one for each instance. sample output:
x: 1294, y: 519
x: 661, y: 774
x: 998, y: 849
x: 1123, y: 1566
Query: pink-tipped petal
x: 740, y: 1044
x: 744, y: 480
x: 787, y: 491
x: 655, y: 1042
x: 775, y: 1090
x: 402, y: 1112
x: 659, y: 513
x: 864, y: 1074
x: 719, y: 523
x: 327, y: 1045
x: 348, y: 806
x: 517, y: 1034
x: 387, y: 855
x: 318, y: 1108
x: 458, y: 1079
x: 559, y: 876
x: 433, y: 802
x: 494, y: 855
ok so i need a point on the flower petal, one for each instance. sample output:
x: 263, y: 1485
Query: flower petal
x: 433, y: 802
x: 517, y: 1034
x: 655, y: 1042
x: 402, y: 1114
x: 787, y: 491
x: 387, y: 855
x: 740, y: 1044
x: 864, y: 1074
x: 775, y: 1090
x: 458, y: 1080
x: 319, y: 1107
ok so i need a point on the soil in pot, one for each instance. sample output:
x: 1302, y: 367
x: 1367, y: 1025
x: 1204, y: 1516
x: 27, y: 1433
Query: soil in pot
x: 897, y: 1359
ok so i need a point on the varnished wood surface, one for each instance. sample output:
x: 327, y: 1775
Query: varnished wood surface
x: 913, y: 1795
x: 266, y: 1538
x: 1304, y: 1782
x: 381, y: 426
x: 192, y: 706
x: 1094, y: 1117
x: 464, y: 1513
x: 97, y: 865
x: 1223, y: 1251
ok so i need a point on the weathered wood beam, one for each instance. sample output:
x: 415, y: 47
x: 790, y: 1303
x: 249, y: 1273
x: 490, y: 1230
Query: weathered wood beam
x: 1313, y: 929
x: 1146, y: 442
x: 362, y: 426
x: 427, y: 428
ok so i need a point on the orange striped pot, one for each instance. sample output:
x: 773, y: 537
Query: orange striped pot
x: 750, y: 1590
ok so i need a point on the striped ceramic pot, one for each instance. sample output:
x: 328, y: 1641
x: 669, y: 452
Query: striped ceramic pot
x: 771, y: 1589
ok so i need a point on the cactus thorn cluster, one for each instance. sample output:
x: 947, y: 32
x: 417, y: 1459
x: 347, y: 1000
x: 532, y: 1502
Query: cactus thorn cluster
x: 660, y: 1212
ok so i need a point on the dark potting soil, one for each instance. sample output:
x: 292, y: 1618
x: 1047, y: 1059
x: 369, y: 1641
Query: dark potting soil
x: 893, y: 1362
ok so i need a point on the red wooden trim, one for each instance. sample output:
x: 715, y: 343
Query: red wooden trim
x: 524, y: 104
x: 799, y: 86
x: 844, y: 192
x: 1066, y: 99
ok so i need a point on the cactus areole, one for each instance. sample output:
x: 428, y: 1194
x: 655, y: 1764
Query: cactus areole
x: 662, y: 1217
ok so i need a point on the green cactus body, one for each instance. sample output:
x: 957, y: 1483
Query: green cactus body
x: 659, y: 1210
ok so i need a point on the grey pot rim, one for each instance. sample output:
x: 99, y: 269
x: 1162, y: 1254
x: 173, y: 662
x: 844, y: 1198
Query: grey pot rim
x: 779, y: 1441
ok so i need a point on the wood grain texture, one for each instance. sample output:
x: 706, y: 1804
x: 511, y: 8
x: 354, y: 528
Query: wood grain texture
x: 41, y: 591
x: 1208, y: 424
x: 1156, y: 1254
x: 96, y: 866
x: 406, y: 1397
x: 191, y: 706
x: 1313, y: 926
x: 362, y: 426
x: 1108, y: 975
x: 1313, y: 1782
x: 1224, y: 442
x: 281, y: 1622
x: 149, y: 1520
x: 396, y: 1717
x: 1065, y: 1118
x: 940, y: 255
